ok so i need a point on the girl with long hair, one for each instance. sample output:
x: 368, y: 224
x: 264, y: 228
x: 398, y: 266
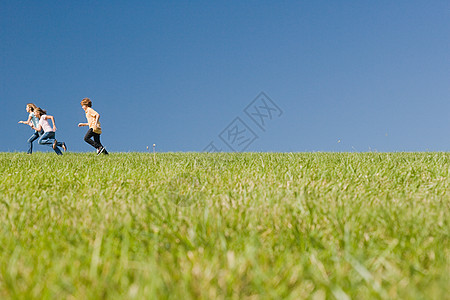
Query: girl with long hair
x: 48, y: 138
x: 32, y: 120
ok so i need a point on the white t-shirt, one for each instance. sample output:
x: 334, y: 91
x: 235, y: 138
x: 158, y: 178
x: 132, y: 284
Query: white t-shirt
x: 44, y: 124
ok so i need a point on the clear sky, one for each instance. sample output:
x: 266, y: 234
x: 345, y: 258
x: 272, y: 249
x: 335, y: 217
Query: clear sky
x: 345, y: 75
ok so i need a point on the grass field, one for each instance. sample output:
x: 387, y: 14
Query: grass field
x: 212, y: 226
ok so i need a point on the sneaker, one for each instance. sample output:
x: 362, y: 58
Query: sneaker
x: 54, y: 144
x: 100, y: 150
x: 64, y: 147
x: 105, y: 152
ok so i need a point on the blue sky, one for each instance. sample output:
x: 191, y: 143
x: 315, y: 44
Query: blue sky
x: 347, y: 75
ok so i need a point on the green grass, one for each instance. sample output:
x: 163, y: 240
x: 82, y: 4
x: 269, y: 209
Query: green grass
x: 195, y: 225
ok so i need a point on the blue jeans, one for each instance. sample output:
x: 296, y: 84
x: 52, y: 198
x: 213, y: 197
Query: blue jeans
x: 48, y: 138
x: 32, y: 138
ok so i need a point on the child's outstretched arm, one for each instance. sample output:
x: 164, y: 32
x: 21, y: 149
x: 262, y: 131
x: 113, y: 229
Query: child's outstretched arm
x: 82, y: 124
x: 26, y: 122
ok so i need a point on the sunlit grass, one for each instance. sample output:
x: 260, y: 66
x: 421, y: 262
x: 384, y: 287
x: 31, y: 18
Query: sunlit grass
x: 253, y: 225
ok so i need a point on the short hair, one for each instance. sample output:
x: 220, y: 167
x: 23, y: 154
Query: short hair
x: 87, y: 102
x: 31, y: 106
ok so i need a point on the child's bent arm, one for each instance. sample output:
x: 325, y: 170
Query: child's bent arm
x: 53, y: 121
x: 38, y: 128
x: 96, y: 117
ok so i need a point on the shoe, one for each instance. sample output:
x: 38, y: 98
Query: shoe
x: 64, y: 147
x: 105, y: 152
x: 54, y: 144
x: 101, y: 149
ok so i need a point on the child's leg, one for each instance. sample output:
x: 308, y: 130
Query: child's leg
x: 57, y: 151
x: 87, y: 139
x: 97, y: 139
x: 30, y: 141
x: 47, y: 138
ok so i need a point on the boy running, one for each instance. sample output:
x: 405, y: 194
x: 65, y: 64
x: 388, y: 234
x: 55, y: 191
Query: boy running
x: 94, y: 126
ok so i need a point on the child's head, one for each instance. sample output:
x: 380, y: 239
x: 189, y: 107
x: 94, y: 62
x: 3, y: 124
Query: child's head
x: 31, y: 107
x: 86, y: 102
x: 39, y: 112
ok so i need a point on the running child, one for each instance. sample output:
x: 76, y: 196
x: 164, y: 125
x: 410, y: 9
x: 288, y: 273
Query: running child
x: 48, y: 138
x: 94, y: 126
x: 32, y: 120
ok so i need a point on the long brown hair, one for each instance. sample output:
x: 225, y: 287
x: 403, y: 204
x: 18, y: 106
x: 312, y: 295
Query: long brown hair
x: 40, y: 111
x: 32, y: 106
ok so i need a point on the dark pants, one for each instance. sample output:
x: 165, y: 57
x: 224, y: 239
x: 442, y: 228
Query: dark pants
x: 94, y: 143
x: 32, y: 138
